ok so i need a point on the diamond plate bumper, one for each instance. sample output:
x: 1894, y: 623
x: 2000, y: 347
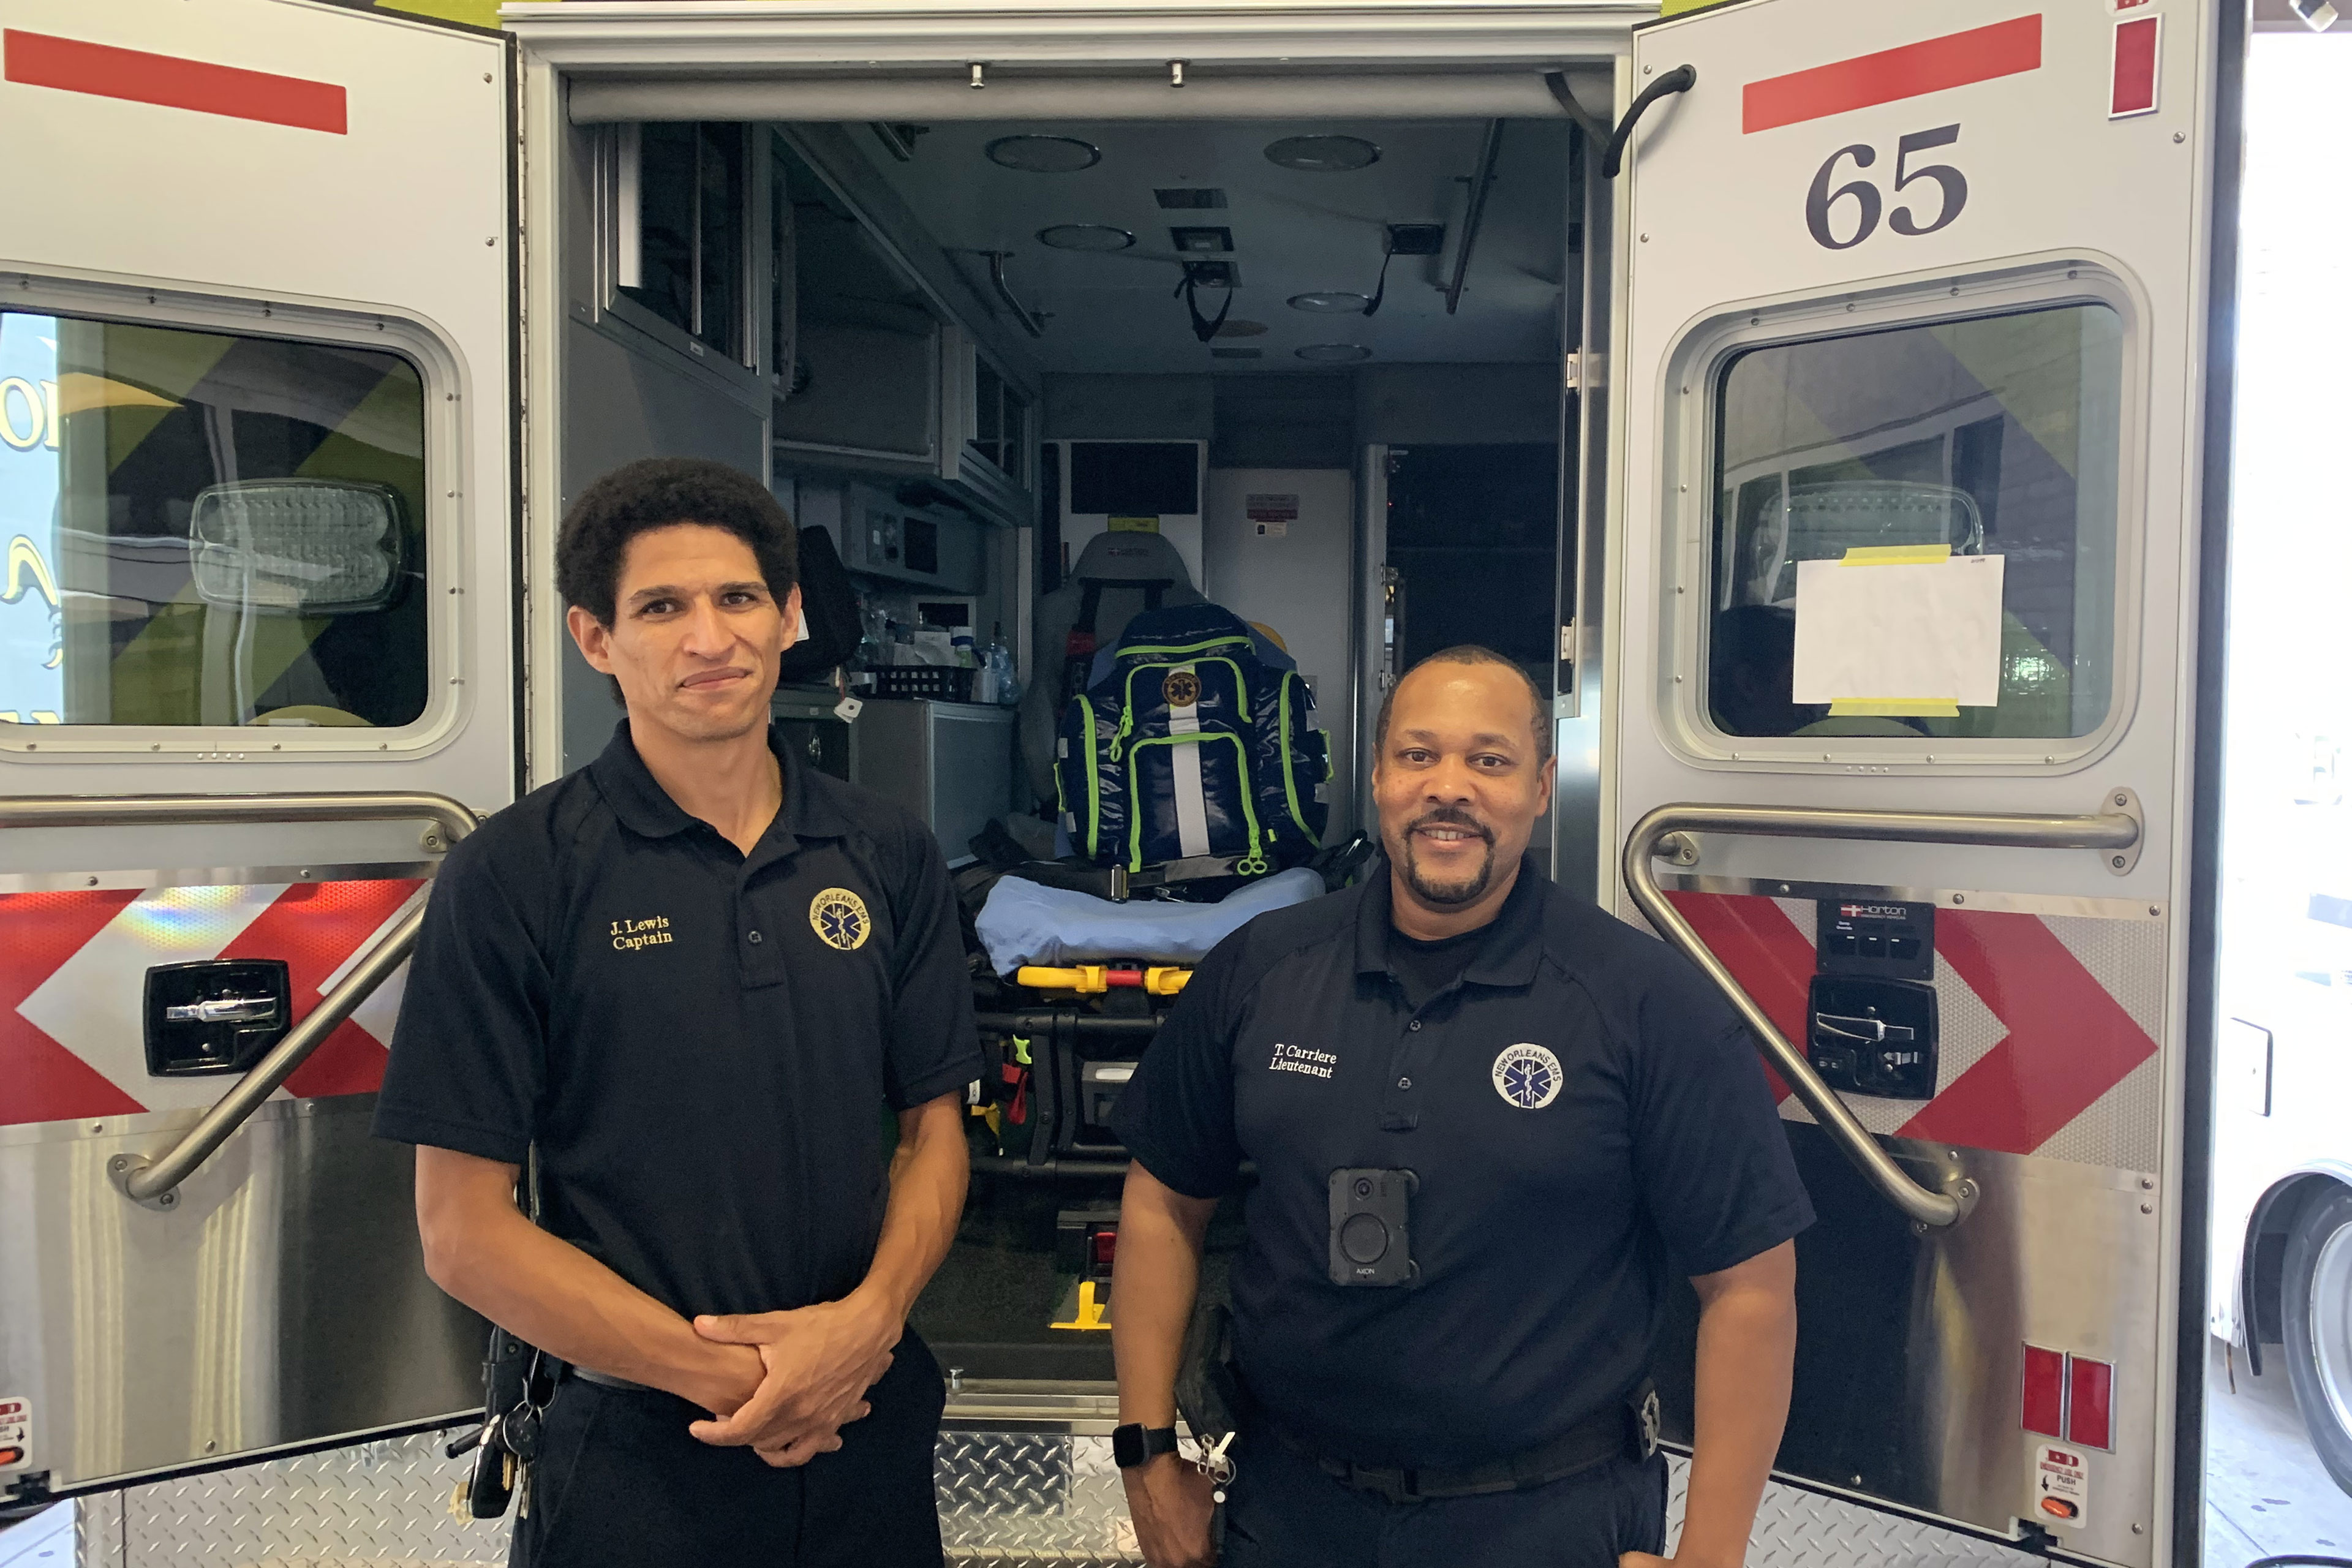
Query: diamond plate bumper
x: 1010, y: 1500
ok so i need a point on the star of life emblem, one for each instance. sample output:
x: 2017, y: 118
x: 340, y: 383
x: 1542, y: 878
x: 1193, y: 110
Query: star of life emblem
x: 839, y: 919
x: 1528, y: 1075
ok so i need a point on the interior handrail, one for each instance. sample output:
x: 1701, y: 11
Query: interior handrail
x: 153, y: 1180
x: 2104, y: 831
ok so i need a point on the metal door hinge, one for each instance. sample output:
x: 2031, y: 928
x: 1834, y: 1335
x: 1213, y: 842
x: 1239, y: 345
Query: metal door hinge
x: 1567, y: 643
x: 1577, y: 371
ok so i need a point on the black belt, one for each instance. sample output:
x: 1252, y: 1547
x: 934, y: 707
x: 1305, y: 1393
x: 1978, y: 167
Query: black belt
x: 1629, y: 1430
x: 607, y: 1380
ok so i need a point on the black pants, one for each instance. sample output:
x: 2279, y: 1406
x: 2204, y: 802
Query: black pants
x: 621, y: 1483
x: 1282, y: 1511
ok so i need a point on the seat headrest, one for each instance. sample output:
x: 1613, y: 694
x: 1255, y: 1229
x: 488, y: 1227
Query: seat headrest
x: 1131, y: 558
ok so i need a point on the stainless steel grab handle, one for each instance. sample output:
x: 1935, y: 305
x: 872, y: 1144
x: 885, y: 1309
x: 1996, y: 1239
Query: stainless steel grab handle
x: 152, y: 1179
x: 2104, y: 832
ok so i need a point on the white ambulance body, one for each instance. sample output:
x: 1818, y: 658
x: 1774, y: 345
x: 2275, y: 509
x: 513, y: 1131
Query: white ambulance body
x: 1863, y: 359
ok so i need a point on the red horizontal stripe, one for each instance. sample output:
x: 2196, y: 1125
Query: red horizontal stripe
x: 72, y: 64
x: 1956, y: 59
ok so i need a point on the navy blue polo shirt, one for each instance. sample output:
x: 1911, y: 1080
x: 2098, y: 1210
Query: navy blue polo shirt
x: 699, y: 1042
x: 1584, y: 1114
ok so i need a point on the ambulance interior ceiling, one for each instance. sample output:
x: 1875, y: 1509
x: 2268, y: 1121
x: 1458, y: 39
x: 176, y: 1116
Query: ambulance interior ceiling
x: 1295, y: 233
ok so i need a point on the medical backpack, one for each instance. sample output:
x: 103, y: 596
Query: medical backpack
x: 1192, y: 745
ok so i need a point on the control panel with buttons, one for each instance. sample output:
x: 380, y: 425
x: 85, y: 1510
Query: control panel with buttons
x: 1872, y: 1018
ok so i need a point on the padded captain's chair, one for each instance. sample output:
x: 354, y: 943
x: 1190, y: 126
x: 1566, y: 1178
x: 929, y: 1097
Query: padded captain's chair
x: 1118, y: 575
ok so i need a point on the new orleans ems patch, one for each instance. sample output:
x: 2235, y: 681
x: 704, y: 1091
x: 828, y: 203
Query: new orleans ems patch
x: 1527, y: 1076
x: 839, y: 919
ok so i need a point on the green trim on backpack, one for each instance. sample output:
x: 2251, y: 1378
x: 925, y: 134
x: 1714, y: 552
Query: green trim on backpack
x: 1135, y: 804
x: 1094, y: 781
x: 1189, y: 647
x: 1289, y: 773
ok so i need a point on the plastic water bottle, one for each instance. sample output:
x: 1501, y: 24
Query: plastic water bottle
x: 1004, y: 677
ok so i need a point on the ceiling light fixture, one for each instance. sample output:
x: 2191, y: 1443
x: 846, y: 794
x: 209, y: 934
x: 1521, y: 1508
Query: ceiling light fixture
x: 1322, y: 154
x: 1044, y: 154
x: 1335, y: 354
x: 1331, y: 303
x: 1095, y: 236
x: 1202, y: 239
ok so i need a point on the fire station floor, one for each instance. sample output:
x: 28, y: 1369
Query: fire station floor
x: 2265, y: 1491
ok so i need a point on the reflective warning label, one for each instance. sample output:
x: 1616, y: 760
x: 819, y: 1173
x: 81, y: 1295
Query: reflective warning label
x: 1271, y: 515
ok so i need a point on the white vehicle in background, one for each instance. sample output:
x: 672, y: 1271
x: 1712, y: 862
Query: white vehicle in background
x: 2282, y: 1265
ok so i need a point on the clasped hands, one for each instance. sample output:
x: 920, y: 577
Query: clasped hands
x: 815, y: 1365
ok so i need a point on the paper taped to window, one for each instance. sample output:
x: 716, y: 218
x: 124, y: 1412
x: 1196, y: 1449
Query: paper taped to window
x: 1900, y: 630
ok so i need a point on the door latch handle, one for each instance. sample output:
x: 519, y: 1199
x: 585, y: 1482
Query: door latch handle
x: 1863, y: 1031
x: 225, y: 1010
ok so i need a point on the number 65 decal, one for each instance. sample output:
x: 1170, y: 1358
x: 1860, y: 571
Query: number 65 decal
x: 1820, y: 198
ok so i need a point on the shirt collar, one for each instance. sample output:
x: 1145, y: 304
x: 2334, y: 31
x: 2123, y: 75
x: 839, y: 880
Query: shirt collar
x: 646, y: 810
x: 1514, y: 938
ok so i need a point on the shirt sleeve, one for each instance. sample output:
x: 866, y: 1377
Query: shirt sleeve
x: 1176, y: 1114
x: 1708, y: 1147
x: 469, y: 1052
x: 934, y: 1046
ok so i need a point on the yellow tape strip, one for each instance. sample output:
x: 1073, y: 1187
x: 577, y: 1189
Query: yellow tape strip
x: 1896, y: 554
x: 1893, y: 708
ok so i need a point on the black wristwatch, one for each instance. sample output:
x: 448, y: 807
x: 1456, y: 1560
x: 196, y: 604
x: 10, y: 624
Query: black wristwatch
x: 1135, y: 1444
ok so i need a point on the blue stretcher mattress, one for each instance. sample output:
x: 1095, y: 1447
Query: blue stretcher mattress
x: 1023, y: 924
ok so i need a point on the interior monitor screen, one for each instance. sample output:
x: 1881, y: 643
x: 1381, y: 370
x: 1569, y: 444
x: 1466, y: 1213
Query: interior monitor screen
x: 1135, y: 478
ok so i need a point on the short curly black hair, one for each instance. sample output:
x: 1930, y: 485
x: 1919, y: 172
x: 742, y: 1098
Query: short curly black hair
x: 661, y: 492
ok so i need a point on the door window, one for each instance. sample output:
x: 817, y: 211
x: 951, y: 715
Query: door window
x: 1997, y: 435
x: 207, y: 529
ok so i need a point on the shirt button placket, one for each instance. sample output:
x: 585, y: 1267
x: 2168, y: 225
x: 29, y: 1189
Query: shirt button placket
x: 1398, y: 1114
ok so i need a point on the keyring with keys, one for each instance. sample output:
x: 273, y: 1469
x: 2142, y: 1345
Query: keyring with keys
x: 1215, y: 1464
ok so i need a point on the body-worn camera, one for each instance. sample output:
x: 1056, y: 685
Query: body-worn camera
x: 1371, y: 1237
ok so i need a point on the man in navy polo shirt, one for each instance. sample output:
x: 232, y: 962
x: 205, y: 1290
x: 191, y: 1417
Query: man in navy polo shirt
x: 690, y: 977
x: 1487, y: 1119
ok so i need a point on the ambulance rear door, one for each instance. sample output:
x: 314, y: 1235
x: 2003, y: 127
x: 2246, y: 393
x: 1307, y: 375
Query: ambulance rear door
x: 256, y: 672
x: 1909, y: 740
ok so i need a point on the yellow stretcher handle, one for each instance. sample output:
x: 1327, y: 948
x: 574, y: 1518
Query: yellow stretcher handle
x: 1094, y: 979
x: 1089, y: 1311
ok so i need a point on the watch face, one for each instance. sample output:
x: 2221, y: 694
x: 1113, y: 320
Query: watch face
x: 1127, y: 1446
